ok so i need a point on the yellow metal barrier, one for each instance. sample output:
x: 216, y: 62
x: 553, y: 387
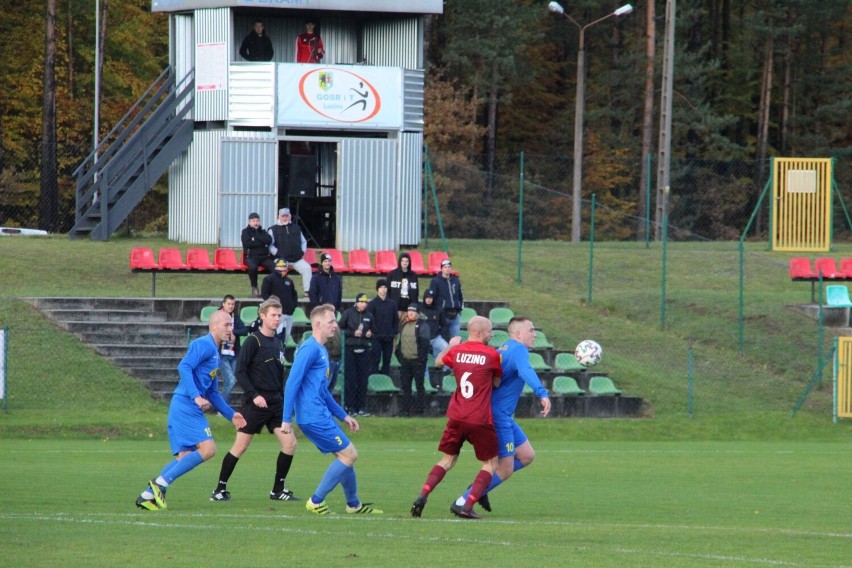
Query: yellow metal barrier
x: 801, y: 204
x: 843, y: 378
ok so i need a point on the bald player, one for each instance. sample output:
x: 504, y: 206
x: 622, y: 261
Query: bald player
x: 189, y: 432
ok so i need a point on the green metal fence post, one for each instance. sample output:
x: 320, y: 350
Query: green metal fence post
x: 742, y: 264
x: 648, y: 204
x: 663, y: 283
x: 691, y: 370
x: 435, y: 200
x: 426, y: 165
x: 521, y: 218
x: 591, y: 248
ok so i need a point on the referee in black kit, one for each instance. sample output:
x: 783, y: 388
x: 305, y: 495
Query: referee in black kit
x: 260, y: 373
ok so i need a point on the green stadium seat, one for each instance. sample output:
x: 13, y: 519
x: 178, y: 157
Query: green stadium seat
x: 567, y: 362
x: 541, y: 341
x: 290, y: 343
x: 248, y: 314
x: 499, y: 338
x: 566, y: 385
x: 206, y: 312
x: 427, y: 387
x: 394, y: 364
x: 602, y: 386
x: 305, y: 336
x: 500, y: 316
x: 527, y: 389
x: 299, y: 317
x: 537, y: 362
x: 448, y: 384
x: 378, y: 382
x: 837, y: 296
x: 465, y: 316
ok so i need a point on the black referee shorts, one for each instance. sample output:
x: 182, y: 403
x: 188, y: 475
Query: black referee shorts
x: 257, y: 418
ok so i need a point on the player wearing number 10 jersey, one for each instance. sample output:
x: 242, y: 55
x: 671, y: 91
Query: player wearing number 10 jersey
x: 476, y: 367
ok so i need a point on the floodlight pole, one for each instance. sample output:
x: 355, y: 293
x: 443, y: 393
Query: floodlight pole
x: 579, y: 111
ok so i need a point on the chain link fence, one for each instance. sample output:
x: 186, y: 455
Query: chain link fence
x: 673, y: 280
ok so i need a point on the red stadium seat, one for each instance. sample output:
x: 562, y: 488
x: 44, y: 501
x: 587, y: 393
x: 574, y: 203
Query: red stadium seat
x: 417, y: 262
x: 311, y: 257
x: 170, y: 259
x: 199, y: 259
x: 827, y: 266
x: 359, y: 261
x: 800, y: 267
x: 226, y: 259
x: 337, y: 260
x: 385, y: 261
x: 435, y: 259
x: 142, y: 257
x: 846, y: 267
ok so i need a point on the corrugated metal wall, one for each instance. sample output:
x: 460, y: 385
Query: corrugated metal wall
x: 367, y: 200
x: 394, y: 42
x: 252, y: 101
x: 412, y: 112
x: 182, y: 45
x: 410, y: 184
x: 194, y: 190
x: 212, y: 26
x: 249, y: 184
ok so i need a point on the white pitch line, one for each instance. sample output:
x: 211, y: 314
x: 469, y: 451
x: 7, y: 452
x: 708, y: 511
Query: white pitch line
x: 361, y: 534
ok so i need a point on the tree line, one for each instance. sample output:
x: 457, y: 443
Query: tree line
x: 752, y: 79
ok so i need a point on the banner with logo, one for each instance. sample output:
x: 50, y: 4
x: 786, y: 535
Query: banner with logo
x: 355, y: 96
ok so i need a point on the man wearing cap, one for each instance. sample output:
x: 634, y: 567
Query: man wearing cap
x: 448, y: 295
x: 326, y: 286
x: 356, y: 323
x: 278, y: 284
x: 412, y: 351
x: 289, y: 243
x: 385, y: 327
x: 256, y: 251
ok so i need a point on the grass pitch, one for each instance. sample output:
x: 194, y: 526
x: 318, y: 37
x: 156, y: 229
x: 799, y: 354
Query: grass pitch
x: 70, y: 503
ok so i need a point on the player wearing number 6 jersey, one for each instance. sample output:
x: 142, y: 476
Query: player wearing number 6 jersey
x: 476, y: 367
x: 515, y: 449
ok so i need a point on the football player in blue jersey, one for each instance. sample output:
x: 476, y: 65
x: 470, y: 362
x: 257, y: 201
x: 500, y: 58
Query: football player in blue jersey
x: 189, y: 432
x: 516, y: 451
x: 306, y: 396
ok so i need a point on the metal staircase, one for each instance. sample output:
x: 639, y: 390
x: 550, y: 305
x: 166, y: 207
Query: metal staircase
x: 115, y: 177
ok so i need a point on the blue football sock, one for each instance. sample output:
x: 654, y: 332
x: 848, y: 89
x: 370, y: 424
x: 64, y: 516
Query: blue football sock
x: 329, y: 480
x: 167, y: 470
x: 350, y: 487
x: 185, y: 464
x: 517, y: 465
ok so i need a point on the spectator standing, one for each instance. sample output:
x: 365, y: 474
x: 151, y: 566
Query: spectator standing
x: 189, y: 432
x: 257, y: 46
x: 448, y: 294
x: 279, y: 284
x: 476, y: 367
x: 309, y: 48
x: 256, y: 243
x: 260, y: 372
x: 289, y: 243
x: 230, y: 347
x: 385, y: 327
x: 356, y: 323
x: 306, y: 397
x: 334, y: 346
x: 437, y: 321
x: 412, y: 350
x: 515, y: 449
x: 326, y: 285
x: 402, y: 284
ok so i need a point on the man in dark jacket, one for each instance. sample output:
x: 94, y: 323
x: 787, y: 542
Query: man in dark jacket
x: 448, y: 294
x: 412, y: 350
x: 436, y: 319
x: 385, y: 326
x: 326, y: 286
x: 256, y: 243
x: 356, y: 323
x: 257, y: 46
x: 402, y: 284
x: 278, y: 284
x: 289, y: 243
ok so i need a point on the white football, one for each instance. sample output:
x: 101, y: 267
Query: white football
x: 588, y: 353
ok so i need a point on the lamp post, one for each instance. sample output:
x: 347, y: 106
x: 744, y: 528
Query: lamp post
x: 579, y: 109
